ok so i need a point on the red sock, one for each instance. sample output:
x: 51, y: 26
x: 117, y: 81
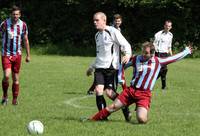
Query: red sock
x: 103, y: 114
x: 15, y: 90
x: 5, y: 85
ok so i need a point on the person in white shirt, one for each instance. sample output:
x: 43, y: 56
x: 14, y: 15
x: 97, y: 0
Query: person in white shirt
x: 163, y: 48
x: 117, y: 21
x: 109, y: 42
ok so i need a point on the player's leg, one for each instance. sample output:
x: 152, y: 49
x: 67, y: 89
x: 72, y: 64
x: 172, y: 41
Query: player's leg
x: 15, y: 77
x: 91, y: 89
x: 163, y: 76
x: 124, y: 99
x: 15, y: 87
x: 104, y: 113
x: 6, y: 65
x: 111, y: 91
x: 141, y: 115
x: 143, y: 100
x: 99, y: 89
x: 5, y: 85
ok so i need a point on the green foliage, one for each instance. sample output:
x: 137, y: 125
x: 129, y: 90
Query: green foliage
x: 70, y: 21
x: 64, y: 49
x: 4, y: 13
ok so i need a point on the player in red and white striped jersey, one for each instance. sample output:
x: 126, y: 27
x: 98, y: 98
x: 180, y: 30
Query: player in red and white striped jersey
x: 146, y: 69
x: 14, y: 31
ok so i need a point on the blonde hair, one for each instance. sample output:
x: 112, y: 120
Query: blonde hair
x: 103, y: 15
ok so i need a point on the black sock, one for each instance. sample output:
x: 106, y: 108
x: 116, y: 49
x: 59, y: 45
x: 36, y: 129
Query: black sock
x: 100, y: 102
x: 126, y: 113
x: 163, y: 84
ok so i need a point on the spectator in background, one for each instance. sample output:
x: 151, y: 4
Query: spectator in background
x: 163, y: 47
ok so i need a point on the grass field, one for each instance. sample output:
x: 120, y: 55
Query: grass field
x: 53, y: 90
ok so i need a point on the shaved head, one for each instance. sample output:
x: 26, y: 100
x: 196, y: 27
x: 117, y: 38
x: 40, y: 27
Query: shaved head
x: 100, y: 21
x: 102, y: 15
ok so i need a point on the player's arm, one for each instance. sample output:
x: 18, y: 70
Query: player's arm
x: 121, y: 73
x: 170, y: 51
x: 125, y: 46
x: 155, y: 42
x: 2, y: 27
x: 174, y: 58
x: 170, y: 47
x: 26, y: 42
x: 91, y: 68
x: 27, y: 46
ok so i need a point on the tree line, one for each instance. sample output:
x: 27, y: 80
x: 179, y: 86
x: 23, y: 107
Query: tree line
x: 70, y: 21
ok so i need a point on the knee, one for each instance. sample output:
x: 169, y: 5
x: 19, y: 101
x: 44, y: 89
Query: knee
x: 142, y: 120
x: 142, y: 115
x: 5, y: 79
x: 111, y: 94
x: 99, y: 90
x: 111, y: 108
x: 16, y: 82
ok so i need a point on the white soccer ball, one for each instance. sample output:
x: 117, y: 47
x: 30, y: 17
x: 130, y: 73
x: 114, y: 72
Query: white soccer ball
x: 35, y: 127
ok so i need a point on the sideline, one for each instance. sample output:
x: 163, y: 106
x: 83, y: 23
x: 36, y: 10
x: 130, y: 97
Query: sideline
x: 72, y: 102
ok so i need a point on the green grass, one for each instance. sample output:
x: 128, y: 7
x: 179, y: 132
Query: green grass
x: 53, y: 90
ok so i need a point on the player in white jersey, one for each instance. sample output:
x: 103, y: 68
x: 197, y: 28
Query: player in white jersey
x: 117, y: 21
x: 163, y: 47
x: 146, y: 69
x: 109, y: 40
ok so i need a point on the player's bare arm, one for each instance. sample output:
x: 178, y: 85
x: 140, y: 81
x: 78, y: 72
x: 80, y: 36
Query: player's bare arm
x: 26, y: 42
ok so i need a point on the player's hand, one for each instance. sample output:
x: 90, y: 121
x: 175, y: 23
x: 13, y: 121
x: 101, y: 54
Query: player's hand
x: 89, y: 71
x: 28, y: 59
x: 125, y: 59
x: 189, y: 47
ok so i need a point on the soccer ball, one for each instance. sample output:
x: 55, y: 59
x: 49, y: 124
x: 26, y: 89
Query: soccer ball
x: 35, y: 127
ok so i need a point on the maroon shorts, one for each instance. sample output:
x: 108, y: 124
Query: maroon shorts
x: 11, y: 62
x: 140, y: 97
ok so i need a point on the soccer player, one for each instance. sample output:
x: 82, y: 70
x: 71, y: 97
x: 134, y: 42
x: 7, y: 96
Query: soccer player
x: 14, y: 31
x: 163, y: 47
x: 117, y: 21
x: 146, y: 69
x: 109, y: 40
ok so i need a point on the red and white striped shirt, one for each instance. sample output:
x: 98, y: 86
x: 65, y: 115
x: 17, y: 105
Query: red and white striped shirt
x: 12, y: 36
x: 145, y: 72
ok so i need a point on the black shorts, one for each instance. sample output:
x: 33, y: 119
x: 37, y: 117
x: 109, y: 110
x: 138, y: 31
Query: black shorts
x: 106, y: 77
x: 162, y: 55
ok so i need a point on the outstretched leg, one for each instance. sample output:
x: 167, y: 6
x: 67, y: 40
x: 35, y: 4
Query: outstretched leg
x: 104, y: 113
x: 126, y: 112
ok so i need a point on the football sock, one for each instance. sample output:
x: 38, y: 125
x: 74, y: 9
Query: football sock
x: 100, y: 102
x: 126, y: 112
x: 15, y: 90
x: 5, y: 85
x: 101, y: 115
